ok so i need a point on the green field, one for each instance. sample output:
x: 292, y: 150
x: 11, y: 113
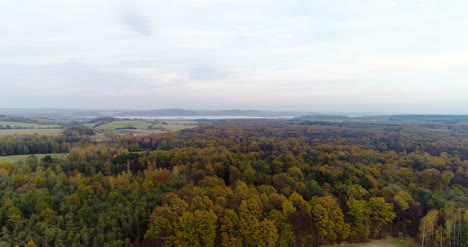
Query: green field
x: 387, y: 242
x: 17, y: 158
x: 174, y: 127
x: 89, y: 125
x: 29, y: 125
x: 140, y: 124
x: 10, y: 132
x: 122, y: 124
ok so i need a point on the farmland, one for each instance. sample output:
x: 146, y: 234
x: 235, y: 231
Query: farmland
x: 28, y: 125
x: 176, y: 125
x: 124, y: 125
x: 142, y: 125
x: 10, y: 132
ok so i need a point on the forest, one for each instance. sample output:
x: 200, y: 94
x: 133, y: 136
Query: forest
x: 240, y: 183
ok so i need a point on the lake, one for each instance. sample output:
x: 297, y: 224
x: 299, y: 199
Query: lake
x: 206, y: 117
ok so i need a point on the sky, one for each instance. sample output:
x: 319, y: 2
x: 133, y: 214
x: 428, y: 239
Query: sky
x: 394, y: 56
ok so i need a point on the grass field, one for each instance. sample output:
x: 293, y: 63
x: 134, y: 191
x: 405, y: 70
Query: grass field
x: 142, y: 125
x: 387, y: 242
x: 17, y: 158
x: 29, y: 125
x: 10, y: 132
x: 122, y: 124
x: 175, y: 127
x: 89, y: 125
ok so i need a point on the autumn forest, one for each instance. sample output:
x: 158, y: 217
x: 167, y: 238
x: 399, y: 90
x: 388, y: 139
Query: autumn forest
x: 235, y: 183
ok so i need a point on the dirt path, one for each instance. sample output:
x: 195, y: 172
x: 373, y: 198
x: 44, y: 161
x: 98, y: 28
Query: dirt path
x: 378, y: 243
x: 387, y: 242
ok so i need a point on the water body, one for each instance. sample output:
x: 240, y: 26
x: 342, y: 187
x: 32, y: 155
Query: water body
x: 206, y: 117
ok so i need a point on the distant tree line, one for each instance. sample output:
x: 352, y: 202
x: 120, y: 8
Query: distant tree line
x: 39, y: 144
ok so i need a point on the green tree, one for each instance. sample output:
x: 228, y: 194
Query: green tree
x: 186, y: 231
x: 196, y: 229
x: 287, y: 236
x: 206, y: 226
x: 381, y: 213
x: 360, y: 218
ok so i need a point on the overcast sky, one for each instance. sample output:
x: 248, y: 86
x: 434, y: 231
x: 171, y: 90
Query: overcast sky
x: 314, y: 55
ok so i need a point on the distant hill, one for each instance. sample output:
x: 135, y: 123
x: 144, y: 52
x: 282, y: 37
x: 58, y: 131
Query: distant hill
x: 30, y: 115
x: 18, y: 119
x: 160, y: 112
x: 58, y: 114
x: 183, y: 112
x: 52, y: 113
x: 429, y: 118
x: 447, y: 119
x: 325, y: 118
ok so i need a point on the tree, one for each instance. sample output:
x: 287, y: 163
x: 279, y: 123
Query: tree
x: 47, y: 159
x: 427, y: 226
x: 229, y: 228
x: 381, y: 213
x: 329, y: 219
x: 360, y: 218
x: 266, y: 234
x: 196, y: 229
x: 287, y: 236
x: 161, y: 228
x: 186, y: 231
x: 30, y: 244
x: 249, y: 221
x: 206, y: 226
x: 356, y: 191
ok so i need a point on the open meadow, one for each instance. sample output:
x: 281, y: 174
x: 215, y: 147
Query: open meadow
x: 143, y: 125
x: 11, y: 132
x: 18, y: 158
x: 28, y: 125
x: 138, y: 124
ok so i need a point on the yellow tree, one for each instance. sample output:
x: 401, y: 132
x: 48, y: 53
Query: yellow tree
x: 427, y: 226
x: 229, y: 228
x: 266, y: 234
x: 30, y: 244
x: 360, y: 218
x: 329, y: 219
x: 249, y: 220
x: 381, y: 213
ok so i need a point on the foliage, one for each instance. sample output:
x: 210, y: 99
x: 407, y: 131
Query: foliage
x: 244, y: 184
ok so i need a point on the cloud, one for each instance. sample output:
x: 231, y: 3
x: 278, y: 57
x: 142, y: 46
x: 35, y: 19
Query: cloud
x: 138, y: 23
x: 209, y: 73
x: 68, y: 76
x: 266, y: 54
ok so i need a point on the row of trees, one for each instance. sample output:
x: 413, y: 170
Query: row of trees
x: 32, y: 144
x: 39, y: 144
x: 446, y: 227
